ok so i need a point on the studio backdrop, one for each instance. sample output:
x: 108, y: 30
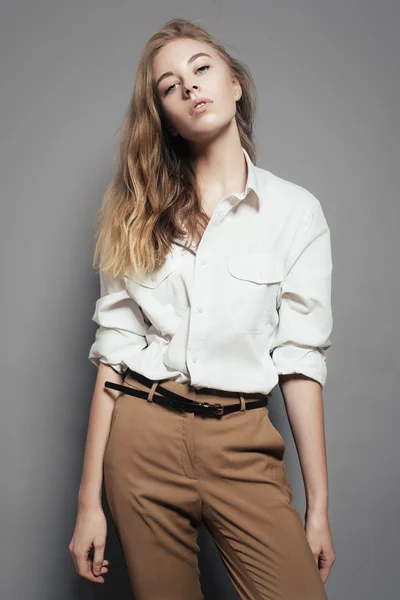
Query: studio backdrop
x: 328, y: 119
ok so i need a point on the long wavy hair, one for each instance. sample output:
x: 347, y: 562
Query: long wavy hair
x: 152, y: 199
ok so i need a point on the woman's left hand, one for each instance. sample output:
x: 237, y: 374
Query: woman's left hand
x: 319, y: 537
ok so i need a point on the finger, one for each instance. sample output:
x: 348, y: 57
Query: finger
x: 97, y: 578
x: 84, y: 571
x: 324, y: 572
x: 91, y: 577
x: 90, y: 564
x: 82, y: 562
x: 98, y: 558
x: 316, y: 558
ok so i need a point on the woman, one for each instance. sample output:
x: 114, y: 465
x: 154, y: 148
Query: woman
x: 215, y: 286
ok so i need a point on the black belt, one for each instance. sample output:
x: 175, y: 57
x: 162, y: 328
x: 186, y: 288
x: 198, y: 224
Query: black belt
x: 173, y: 400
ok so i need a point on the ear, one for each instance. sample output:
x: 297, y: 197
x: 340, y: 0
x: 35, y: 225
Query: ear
x: 237, y: 89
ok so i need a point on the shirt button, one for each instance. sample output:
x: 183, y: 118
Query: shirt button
x: 194, y: 359
x: 203, y: 262
x: 153, y: 278
x: 200, y: 309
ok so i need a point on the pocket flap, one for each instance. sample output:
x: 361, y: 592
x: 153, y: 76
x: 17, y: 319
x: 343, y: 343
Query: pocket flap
x: 259, y: 267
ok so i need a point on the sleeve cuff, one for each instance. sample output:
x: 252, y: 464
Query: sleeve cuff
x: 293, y: 359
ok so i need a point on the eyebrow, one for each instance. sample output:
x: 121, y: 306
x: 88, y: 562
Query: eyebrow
x: 190, y: 60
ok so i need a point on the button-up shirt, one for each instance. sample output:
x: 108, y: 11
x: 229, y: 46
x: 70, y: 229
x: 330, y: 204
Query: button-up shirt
x: 253, y: 301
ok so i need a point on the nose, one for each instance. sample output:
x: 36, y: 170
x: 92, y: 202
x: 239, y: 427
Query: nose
x: 188, y: 90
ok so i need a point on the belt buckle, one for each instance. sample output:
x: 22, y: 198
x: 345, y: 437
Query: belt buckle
x: 216, y: 409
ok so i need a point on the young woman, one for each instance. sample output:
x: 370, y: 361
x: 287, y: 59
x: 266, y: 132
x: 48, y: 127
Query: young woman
x: 215, y: 286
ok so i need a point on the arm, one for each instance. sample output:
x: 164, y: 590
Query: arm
x: 96, y: 439
x: 91, y: 527
x: 303, y: 401
x: 300, y: 348
x: 304, y: 406
x: 121, y: 334
x: 299, y: 355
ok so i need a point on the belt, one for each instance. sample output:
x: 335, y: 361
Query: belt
x: 171, y: 399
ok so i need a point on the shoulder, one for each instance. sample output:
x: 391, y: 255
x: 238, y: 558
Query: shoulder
x: 286, y: 196
x: 110, y: 284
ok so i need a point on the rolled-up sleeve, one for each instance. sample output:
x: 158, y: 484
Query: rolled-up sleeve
x: 122, y: 329
x: 304, y: 304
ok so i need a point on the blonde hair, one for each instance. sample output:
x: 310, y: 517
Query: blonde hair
x: 152, y: 196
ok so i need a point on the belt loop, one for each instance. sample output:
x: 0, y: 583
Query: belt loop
x: 153, y: 389
x: 242, y: 403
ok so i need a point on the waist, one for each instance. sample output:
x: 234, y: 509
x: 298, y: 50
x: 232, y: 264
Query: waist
x: 204, y: 394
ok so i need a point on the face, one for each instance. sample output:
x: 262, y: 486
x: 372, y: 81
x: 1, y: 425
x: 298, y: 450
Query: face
x: 182, y: 77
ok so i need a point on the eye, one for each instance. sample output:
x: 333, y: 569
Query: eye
x: 167, y: 90
x: 203, y: 67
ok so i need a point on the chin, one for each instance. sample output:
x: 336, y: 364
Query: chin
x: 204, y: 131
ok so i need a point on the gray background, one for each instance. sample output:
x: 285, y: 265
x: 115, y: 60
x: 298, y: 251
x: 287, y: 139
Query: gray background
x: 328, y: 86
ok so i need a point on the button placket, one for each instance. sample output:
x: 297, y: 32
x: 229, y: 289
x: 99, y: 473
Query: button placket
x: 196, y: 330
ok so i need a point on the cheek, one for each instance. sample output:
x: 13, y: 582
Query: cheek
x: 221, y: 87
x: 225, y: 104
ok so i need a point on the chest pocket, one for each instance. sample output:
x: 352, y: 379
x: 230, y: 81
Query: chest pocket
x: 251, y: 292
x: 159, y: 294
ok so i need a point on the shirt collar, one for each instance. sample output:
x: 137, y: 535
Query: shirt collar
x: 252, y: 181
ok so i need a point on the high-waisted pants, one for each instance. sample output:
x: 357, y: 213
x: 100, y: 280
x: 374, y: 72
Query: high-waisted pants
x: 167, y: 471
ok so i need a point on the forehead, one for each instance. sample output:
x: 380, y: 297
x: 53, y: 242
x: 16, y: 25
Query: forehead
x: 177, y: 52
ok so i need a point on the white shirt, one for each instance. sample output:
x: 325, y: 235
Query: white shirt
x: 253, y: 302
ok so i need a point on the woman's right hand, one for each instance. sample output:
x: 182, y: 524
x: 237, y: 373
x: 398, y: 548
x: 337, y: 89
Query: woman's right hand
x: 90, y: 530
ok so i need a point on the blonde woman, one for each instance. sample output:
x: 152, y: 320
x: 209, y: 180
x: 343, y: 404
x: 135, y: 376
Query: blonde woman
x: 215, y: 282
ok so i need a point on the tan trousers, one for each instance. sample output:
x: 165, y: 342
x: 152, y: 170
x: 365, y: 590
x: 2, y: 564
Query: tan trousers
x: 166, y: 472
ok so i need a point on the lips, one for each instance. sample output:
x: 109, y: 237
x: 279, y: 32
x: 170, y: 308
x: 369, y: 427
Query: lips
x: 198, y: 101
